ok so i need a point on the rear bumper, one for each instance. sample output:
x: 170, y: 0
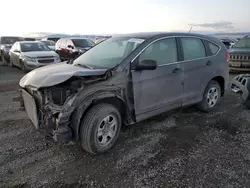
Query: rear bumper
x: 59, y: 132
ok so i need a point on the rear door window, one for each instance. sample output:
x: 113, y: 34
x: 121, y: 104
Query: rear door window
x: 59, y: 42
x: 63, y: 43
x: 193, y: 48
x: 69, y: 42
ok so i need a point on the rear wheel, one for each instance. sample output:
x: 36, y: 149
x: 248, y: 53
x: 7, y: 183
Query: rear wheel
x: 211, y: 96
x: 100, y: 128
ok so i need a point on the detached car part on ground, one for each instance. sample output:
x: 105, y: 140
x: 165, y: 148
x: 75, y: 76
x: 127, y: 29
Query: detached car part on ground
x: 240, y: 56
x: 124, y: 80
x: 241, y: 85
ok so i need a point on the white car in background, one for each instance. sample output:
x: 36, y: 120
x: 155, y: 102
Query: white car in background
x: 29, y: 55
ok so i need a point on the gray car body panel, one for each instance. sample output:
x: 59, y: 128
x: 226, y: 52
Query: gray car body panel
x: 145, y: 93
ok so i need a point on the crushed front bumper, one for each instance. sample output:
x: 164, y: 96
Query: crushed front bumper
x: 60, y: 132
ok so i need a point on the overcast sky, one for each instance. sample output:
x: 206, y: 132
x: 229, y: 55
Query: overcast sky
x: 122, y: 16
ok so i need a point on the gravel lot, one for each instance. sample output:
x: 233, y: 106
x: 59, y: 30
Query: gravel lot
x: 182, y: 148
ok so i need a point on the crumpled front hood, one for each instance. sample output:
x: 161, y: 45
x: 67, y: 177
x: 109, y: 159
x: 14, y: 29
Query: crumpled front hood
x: 243, y: 51
x: 54, y: 74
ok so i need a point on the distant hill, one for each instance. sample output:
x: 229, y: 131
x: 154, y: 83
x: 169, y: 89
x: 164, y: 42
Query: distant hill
x: 61, y: 35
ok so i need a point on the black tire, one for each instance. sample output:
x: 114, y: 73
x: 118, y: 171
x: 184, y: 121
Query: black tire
x: 60, y: 56
x: 247, y: 104
x: 203, y: 105
x: 90, y: 124
x: 11, y: 63
x: 2, y: 59
x: 23, y: 67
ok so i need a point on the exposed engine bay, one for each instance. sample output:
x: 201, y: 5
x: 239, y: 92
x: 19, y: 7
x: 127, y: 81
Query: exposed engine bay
x: 55, y: 104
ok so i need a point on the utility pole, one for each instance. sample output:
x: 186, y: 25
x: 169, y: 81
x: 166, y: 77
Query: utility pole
x: 190, y: 29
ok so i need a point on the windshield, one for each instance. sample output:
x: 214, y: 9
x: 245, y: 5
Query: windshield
x: 83, y: 43
x: 243, y: 43
x: 49, y: 43
x: 32, y: 47
x: 10, y: 40
x: 109, y: 53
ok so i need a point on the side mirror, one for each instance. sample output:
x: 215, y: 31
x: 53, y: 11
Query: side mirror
x: 17, y: 51
x: 146, y: 65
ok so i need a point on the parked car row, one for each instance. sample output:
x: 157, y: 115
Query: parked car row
x: 121, y: 81
x: 67, y: 48
x: 29, y: 54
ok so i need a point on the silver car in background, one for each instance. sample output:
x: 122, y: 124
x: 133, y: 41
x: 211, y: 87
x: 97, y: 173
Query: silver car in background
x: 29, y: 55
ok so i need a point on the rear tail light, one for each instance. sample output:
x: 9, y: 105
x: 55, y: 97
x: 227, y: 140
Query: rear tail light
x: 227, y: 56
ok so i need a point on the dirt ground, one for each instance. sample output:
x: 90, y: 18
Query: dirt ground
x: 182, y: 148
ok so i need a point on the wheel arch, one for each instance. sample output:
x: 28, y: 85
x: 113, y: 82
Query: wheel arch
x: 221, y: 82
x: 79, y: 113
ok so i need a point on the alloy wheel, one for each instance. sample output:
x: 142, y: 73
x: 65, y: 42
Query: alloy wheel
x: 107, y: 130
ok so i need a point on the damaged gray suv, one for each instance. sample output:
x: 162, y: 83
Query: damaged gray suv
x: 124, y: 80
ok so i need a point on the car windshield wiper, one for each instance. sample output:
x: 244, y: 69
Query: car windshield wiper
x: 84, y: 66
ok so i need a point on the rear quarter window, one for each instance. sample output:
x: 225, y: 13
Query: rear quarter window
x: 213, y: 47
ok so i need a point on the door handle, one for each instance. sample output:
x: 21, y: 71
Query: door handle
x: 176, y: 70
x: 209, y: 63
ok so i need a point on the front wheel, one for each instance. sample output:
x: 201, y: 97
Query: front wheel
x: 23, y: 66
x: 211, y: 96
x: 11, y: 62
x: 100, y: 128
